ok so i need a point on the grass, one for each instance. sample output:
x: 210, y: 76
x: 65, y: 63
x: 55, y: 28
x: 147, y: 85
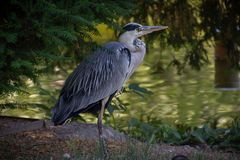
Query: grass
x: 133, y: 150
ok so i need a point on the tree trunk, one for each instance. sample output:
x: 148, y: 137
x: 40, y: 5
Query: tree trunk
x: 226, y: 77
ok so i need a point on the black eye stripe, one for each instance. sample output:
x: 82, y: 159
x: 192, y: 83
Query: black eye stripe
x: 131, y: 27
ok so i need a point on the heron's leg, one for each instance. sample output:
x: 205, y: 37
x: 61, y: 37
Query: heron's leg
x: 101, y: 138
x: 100, y: 117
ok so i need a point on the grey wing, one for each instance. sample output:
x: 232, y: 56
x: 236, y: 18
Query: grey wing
x: 94, y: 79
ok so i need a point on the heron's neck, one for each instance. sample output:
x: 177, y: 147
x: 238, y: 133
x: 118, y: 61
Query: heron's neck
x: 137, y: 49
x: 128, y: 41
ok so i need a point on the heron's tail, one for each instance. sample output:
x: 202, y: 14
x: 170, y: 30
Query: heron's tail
x: 62, y: 110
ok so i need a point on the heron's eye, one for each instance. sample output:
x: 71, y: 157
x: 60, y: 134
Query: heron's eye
x: 139, y: 29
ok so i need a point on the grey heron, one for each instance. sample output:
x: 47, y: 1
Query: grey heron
x: 92, y: 85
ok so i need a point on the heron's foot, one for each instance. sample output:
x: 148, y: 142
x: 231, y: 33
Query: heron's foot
x: 103, y: 148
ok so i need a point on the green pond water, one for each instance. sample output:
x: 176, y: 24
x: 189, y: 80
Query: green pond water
x: 189, y: 98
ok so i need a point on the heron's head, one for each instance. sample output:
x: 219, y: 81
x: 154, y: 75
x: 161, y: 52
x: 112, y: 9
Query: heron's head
x: 132, y: 31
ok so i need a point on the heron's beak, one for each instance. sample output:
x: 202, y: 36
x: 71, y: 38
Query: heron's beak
x: 149, y: 29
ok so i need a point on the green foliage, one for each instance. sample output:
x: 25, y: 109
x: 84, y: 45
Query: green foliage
x: 155, y: 131
x: 193, y: 24
x: 36, y: 36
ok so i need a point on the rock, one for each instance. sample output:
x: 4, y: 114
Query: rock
x: 86, y: 132
x: 74, y: 130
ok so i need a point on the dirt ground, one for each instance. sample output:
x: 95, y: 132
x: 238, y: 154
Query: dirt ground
x: 34, y: 139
